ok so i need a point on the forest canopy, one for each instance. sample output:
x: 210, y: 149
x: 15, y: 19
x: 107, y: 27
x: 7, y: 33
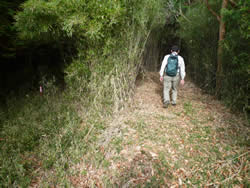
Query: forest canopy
x: 214, y: 36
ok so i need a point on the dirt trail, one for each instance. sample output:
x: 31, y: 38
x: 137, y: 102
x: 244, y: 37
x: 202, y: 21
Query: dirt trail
x: 196, y: 143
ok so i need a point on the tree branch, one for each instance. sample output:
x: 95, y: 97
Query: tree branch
x: 181, y: 13
x: 233, y: 3
x: 212, y: 11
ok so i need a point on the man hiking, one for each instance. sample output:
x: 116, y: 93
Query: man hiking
x: 172, y: 71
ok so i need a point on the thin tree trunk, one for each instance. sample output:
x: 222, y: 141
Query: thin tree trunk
x: 222, y: 33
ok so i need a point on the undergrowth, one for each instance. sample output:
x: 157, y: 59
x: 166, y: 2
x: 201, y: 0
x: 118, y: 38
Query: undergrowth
x: 43, y: 137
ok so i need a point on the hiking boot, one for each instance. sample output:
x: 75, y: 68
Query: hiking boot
x: 165, y: 104
x: 173, y: 103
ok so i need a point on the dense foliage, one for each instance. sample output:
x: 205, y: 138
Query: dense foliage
x: 10, y: 45
x: 200, y: 32
x: 8, y: 39
x: 103, y: 31
x: 236, y: 57
x: 100, y: 46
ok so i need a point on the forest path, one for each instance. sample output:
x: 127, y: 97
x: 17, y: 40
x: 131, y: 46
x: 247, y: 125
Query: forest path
x: 196, y: 143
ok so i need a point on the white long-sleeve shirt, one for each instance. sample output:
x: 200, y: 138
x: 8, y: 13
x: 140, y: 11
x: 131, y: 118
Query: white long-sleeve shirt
x: 181, y: 66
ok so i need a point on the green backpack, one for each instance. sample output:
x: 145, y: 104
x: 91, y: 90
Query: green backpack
x: 172, y: 66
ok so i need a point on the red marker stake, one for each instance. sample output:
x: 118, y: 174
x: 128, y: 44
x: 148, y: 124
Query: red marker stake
x: 41, y: 90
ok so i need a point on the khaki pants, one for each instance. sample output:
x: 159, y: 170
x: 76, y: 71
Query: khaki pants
x: 168, y: 84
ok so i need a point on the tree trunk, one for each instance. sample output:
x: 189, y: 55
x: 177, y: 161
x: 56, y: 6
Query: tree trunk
x: 222, y: 33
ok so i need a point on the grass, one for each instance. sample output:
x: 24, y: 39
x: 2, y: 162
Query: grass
x: 41, y: 138
x: 48, y: 144
x: 116, y: 142
x: 194, y: 155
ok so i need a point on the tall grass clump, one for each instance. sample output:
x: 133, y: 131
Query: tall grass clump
x: 42, y: 137
x: 29, y: 121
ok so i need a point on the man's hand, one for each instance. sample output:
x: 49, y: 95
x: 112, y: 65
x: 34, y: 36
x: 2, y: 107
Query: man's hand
x: 161, y: 78
x: 182, y: 82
